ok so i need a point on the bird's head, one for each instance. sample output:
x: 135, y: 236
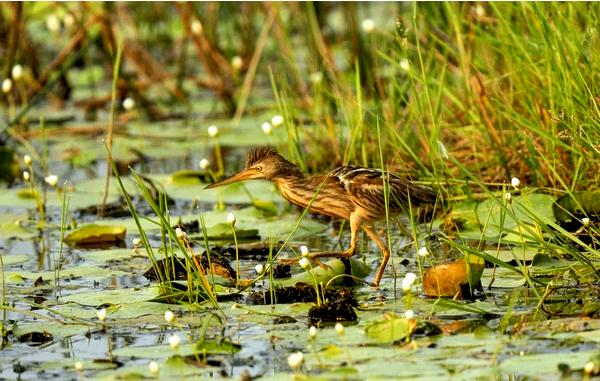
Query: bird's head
x: 261, y: 163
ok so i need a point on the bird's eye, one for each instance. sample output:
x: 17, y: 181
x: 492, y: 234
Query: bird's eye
x: 259, y: 168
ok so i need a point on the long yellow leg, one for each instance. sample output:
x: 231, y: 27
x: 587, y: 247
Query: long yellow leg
x: 354, y: 225
x: 384, y: 250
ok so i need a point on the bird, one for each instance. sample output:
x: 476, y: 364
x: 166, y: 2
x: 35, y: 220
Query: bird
x: 352, y: 193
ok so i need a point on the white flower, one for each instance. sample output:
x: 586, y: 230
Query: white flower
x: 295, y: 360
x: 405, y: 64
x: 234, y: 306
x: 304, y: 262
x: 136, y: 242
x: 101, y: 314
x: 316, y: 78
x: 204, y: 163
x: 53, y: 23
x: 508, y: 197
x: 277, y: 120
x: 339, y: 328
x: 153, y: 366
x: 231, y: 219
x: 408, y: 281
x: 174, y: 342
x: 479, y: 10
x: 6, y: 86
x: 26, y: 176
x: 409, y: 314
x: 312, y: 332
x: 423, y: 252
x: 368, y: 25
x: 169, y: 316
x: 17, y: 72
x: 78, y: 366
x: 68, y: 20
x: 51, y: 180
x: 196, y: 27
x: 180, y: 233
x: 515, y: 182
x: 27, y: 160
x: 585, y: 221
x: 213, y: 131
x: 236, y: 63
x: 304, y: 250
x: 591, y: 367
x: 267, y: 128
x: 128, y: 104
x: 259, y: 269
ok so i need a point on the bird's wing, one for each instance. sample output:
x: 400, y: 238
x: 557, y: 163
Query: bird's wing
x: 366, y: 187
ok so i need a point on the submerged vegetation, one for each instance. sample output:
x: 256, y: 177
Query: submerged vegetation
x: 118, y: 263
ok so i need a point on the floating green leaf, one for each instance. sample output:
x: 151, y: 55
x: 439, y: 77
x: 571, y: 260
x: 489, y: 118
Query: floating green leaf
x: 96, y: 234
x: 391, y: 329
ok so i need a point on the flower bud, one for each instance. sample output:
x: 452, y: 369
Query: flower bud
x: 515, y: 182
x: 51, y: 180
x: 101, y: 314
x: 174, y: 342
x: 231, y: 219
x: 204, y: 163
x: 7, y: 86
x: 128, y: 104
x: 17, y: 72
x: 304, y: 262
x: 237, y: 62
x: 153, y: 367
x: 267, y: 128
x: 295, y: 360
x: 368, y: 25
x: 169, y: 316
x: 213, y: 131
x: 277, y: 120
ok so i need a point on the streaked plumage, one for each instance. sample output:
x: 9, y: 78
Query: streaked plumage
x: 349, y: 192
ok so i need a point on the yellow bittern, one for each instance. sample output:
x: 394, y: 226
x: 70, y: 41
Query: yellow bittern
x: 349, y: 192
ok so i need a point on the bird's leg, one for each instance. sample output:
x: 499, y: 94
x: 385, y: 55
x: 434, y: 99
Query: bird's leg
x: 384, y: 250
x: 354, y: 225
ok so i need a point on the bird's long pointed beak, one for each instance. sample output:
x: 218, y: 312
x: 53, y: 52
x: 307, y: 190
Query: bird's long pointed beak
x: 246, y: 174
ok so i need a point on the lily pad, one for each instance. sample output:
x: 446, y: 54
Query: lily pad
x: 391, y: 329
x: 96, y: 234
x: 111, y: 297
x: 528, y: 209
x: 318, y: 274
x: 189, y: 176
x: 568, y: 208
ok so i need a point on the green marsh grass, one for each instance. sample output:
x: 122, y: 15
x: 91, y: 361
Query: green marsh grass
x: 199, y: 289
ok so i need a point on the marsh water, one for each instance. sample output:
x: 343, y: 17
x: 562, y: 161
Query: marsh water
x: 54, y: 300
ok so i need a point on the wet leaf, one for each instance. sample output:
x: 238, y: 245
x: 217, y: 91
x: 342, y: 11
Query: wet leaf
x: 223, y: 231
x: 528, y: 209
x: 216, y: 347
x: 112, y: 297
x: 269, y: 207
x: 190, y: 176
x: 95, y: 234
x: 446, y: 279
x: 391, y: 330
x: 318, y: 274
x: 512, y: 255
x: 569, y: 209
